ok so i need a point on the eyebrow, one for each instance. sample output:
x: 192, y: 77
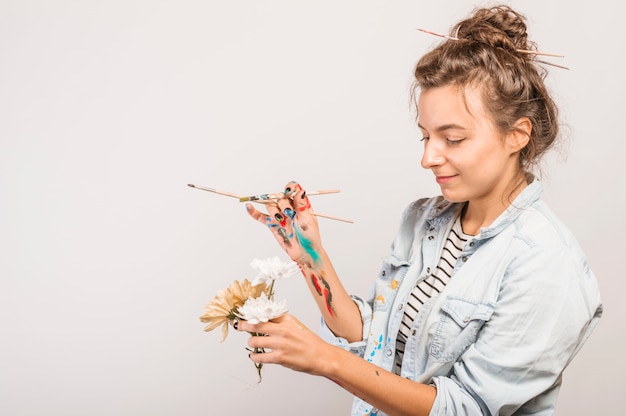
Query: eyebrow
x: 451, y: 126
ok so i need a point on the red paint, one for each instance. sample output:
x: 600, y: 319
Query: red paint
x: 306, y: 206
x: 318, y: 288
x: 328, y: 305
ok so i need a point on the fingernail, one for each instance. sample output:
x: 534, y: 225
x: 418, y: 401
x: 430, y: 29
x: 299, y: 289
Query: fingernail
x: 279, y: 217
x: 290, y: 213
x: 303, y: 195
x: 236, y: 324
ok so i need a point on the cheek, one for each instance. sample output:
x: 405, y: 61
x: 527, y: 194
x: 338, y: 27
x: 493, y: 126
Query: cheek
x: 486, y: 172
x: 465, y: 164
x: 477, y: 163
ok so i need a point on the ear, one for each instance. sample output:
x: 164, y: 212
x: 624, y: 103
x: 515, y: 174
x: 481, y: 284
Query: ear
x: 519, y: 136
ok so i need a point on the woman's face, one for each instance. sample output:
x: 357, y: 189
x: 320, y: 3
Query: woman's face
x: 471, y: 160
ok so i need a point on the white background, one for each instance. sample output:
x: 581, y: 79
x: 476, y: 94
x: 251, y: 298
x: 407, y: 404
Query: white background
x: 109, y: 109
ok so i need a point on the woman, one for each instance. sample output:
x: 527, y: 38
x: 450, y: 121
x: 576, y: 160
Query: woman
x: 486, y: 296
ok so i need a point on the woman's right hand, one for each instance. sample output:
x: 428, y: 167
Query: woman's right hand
x: 293, y: 224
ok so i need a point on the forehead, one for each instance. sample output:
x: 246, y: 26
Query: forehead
x: 450, y: 105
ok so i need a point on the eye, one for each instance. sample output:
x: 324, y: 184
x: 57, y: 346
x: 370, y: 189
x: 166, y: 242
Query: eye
x: 424, y: 139
x: 454, y: 142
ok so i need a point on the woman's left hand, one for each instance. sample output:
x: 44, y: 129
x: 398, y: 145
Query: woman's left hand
x: 289, y: 343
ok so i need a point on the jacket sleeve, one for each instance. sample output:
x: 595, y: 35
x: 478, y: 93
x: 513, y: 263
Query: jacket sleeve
x: 358, y: 348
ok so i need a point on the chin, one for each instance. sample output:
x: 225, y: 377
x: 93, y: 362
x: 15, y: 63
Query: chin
x: 451, y: 197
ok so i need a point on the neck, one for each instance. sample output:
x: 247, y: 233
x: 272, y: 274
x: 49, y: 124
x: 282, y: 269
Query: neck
x: 482, y: 213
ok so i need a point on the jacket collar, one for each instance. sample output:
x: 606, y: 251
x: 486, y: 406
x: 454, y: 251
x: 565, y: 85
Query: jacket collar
x: 443, y: 212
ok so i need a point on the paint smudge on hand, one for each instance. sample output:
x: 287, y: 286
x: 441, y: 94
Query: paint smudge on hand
x: 283, y: 233
x: 305, y: 243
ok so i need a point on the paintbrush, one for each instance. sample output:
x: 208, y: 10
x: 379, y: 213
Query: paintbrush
x: 281, y: 195
x: 270, y: 199
x: 215, y: 191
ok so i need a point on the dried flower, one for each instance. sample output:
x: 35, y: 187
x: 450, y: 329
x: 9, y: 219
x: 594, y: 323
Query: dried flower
x: 241, y: 292
x: 222, y: 309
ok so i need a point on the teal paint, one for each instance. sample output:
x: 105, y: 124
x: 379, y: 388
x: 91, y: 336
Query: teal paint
x: 306, y: 245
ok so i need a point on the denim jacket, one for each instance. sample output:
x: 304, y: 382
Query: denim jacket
x: 520, y: 304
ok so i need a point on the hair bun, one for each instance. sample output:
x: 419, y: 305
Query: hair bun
x: 498, y: 27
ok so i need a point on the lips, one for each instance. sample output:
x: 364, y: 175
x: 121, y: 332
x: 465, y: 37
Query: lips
x: 443, y: 179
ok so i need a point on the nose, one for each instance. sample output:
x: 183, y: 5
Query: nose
x: 432, y: 156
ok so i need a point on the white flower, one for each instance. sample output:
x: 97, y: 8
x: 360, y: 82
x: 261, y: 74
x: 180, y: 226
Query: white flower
x: 261, y: 309
x: 272, y: 268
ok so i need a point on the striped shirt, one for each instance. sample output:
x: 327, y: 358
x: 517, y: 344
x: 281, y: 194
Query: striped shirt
x: 431, y: 286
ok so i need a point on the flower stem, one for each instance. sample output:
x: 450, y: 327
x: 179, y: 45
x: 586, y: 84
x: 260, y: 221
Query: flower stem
x: 259, y: 366
x: 257, y: 350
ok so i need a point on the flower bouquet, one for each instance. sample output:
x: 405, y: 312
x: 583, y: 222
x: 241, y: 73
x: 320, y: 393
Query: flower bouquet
x: 250, y: 301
